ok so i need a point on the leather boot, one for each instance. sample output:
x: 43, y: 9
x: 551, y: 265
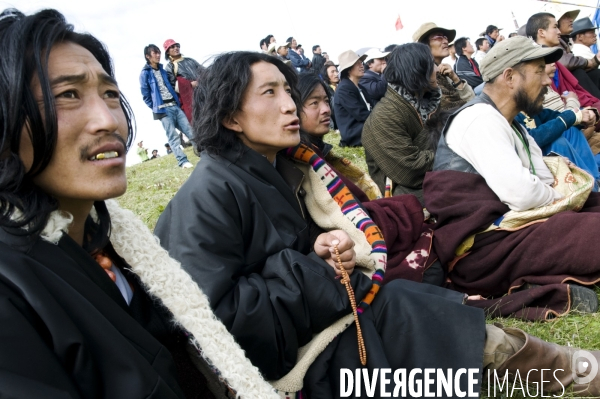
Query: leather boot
x: 539, y: 354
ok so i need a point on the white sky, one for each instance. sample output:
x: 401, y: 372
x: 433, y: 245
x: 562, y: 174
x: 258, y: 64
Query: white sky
x: 205, y: 28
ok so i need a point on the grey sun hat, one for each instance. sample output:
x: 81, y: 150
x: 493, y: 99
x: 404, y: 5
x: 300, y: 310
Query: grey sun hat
x: 510, y: 52
x: 582, y: 25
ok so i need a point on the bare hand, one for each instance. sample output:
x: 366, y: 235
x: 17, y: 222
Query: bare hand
x: 325, y: 249
x: 500, y: 38
x: 447, y: 70
x: 194, y: 83
x: 589, y: 119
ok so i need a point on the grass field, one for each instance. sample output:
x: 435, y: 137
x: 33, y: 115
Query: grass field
x: 152, y: 184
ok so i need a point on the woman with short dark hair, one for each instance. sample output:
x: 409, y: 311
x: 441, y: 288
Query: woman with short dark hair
x: 397, y: 147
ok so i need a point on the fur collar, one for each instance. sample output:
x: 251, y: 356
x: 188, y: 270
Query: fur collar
x: 164, y: 278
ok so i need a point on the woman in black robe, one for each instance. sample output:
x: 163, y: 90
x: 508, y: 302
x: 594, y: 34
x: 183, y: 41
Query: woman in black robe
x: 241, y: 227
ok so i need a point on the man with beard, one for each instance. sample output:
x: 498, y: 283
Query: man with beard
x: 486, y: 167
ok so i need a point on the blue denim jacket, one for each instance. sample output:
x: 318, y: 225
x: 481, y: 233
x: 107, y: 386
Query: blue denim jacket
x: 150, y: 90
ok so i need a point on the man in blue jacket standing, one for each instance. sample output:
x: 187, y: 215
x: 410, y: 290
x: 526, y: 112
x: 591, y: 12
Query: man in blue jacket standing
x: 160, y: 96
x: 300, y: 63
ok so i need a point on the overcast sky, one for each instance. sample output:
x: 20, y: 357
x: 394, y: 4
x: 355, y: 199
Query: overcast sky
x: 206, y: 28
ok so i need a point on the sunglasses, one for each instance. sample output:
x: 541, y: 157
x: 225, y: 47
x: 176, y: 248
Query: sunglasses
x: 438, y: 37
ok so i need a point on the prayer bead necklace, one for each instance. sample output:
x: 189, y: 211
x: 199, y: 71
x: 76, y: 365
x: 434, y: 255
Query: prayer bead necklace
x: 362, y: 351
x: 105, y: 262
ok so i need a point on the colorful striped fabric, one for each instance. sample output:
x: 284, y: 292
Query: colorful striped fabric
x: 353, y: 211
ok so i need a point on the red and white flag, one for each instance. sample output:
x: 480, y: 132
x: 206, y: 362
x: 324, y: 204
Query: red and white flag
x: 399, y: 23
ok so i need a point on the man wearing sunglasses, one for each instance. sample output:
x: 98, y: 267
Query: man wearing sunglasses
x: 455, y: 91
x: 183, y: 74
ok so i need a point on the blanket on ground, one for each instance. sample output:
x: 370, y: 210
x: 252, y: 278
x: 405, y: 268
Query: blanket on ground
x: 547, y: 254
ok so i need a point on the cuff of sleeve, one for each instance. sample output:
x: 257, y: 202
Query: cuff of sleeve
x: 578, y: 117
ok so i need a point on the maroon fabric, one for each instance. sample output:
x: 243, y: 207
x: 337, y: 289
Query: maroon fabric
x: 186, y: 95
x: 549, y: 254
x: 400, y: 219
x: 568, y: 82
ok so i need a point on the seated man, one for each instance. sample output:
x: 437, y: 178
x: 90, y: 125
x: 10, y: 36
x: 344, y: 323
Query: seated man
x: 584, y: 36
x: 487, y: 164
x: 466, y: 67
x: 455, y: 91
x: 552, y: 30
x: 482, y: 48
x: 558, y: 133
x: 373, y: 82
x: 83, y: 283
x: 492, y: 35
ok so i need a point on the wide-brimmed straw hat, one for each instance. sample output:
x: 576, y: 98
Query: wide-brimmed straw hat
x: 428, y: 27
x: 349, y: 58
x: 560, y: 11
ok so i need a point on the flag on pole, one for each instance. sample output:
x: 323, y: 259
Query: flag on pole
x: 596, y: 21
x: 399, y: 23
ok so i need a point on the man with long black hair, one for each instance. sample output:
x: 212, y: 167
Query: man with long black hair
x: 83, y: 283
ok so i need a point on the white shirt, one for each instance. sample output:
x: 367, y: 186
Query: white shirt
x: 483, y: 137
x: 448, y: 60
x: 581, y: 50
x: 479, y: 56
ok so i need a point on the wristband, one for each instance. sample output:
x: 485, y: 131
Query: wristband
x: 455, y: 85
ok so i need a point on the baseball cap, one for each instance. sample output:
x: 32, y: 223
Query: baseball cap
x: 510, y: 52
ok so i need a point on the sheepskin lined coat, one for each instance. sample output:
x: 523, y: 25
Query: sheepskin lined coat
x: 68, y: 332
x: 244, y: 229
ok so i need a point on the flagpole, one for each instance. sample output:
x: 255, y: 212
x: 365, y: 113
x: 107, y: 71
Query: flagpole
x: 569, y: 4
x: 515, y: 20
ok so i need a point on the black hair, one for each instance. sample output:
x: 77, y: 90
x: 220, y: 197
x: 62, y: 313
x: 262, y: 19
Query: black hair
x: 479, y: 42
x: 28, y: 41
x: 459, y: 44
x: 490, y: 29
x: 538, y: 21
x: 323, y: 72
x: 512, y: 34
x: 167, y: 145
x: 345, y: 74
x: 219, y: 95
x: 289, y: 39
x: 390, y: 48
x: 307, y: 83
x: 148, y: 51
x: 410, y: 66
x: 316, y: 46
x: 263, y: 41
x: 268, y: 39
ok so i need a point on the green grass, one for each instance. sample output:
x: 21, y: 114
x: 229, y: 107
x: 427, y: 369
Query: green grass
x: 152, y: 184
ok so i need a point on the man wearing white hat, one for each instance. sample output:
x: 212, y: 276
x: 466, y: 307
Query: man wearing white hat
x: 373, y: 82
x: 280, y: 51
